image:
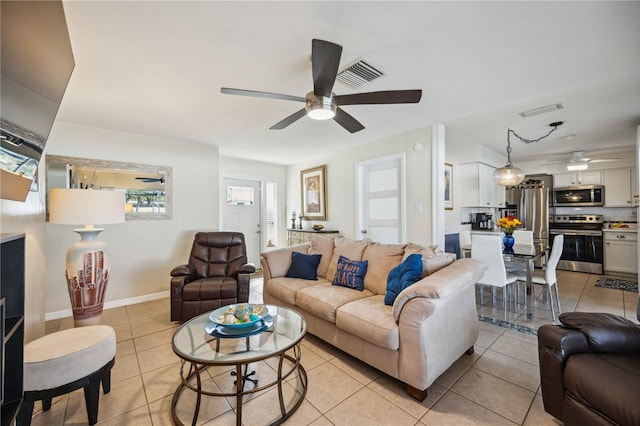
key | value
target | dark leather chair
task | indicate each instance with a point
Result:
(217, 275)
(590, 369)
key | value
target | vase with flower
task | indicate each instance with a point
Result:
(508, 224)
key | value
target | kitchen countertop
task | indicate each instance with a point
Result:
(620, 230)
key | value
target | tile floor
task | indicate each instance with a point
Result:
(498, 385)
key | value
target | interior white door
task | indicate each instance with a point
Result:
(241, 212)
(380, 195)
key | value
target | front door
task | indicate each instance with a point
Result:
(241, 213)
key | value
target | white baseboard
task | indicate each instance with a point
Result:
(113, 304)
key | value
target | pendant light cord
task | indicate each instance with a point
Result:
(509, 131)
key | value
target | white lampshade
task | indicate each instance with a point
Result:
(85, 207)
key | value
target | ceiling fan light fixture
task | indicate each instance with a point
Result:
(577, 166)
(320, 107)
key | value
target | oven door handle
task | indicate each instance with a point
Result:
(575, 232)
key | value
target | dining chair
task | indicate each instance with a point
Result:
(521, 237)
(464, 240)
(548, 277)
(488, 248)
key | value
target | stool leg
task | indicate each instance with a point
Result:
(24, 415)
(106, 381)
(46, 404)
(92, 397)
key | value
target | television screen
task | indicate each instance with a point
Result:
(36, 66)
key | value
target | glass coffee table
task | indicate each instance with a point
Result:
(200, 344)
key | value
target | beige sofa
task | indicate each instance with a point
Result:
(430, 325)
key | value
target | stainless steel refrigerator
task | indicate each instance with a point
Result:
(533, 209)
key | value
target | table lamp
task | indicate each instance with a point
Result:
(88, 260)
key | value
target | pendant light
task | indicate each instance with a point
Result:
(509, 175)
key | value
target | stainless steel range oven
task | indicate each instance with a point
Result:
(583, 247)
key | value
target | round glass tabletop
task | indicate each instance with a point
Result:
(194, 342)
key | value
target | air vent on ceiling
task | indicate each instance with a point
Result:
(359, 73)
(541, 110)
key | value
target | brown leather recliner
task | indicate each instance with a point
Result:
(217, 275)
(590, 369)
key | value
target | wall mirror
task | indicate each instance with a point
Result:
(147, 187)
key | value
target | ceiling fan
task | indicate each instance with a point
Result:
(578, 161)
(322, 103)
(150, 179)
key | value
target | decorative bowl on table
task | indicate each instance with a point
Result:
(317, 227)
(240, 315)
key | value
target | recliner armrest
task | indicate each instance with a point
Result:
(247, 268)
(183, 270)
(605, 332)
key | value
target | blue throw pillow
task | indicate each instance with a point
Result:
(304, 266)
(402, 276)
(350, 273)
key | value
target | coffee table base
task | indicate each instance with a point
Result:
(194, 372)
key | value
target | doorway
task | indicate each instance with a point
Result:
(380, 190)
(241, 212)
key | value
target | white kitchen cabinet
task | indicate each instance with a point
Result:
(620, 252)
(477, 188)
(580, 177)
(617, 187)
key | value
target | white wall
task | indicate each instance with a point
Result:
(143, 252)
(28, 218)
(341, 169)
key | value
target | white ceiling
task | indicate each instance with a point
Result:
(156, 68)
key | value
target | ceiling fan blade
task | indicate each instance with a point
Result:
(382, 97)
(257, 94)
(605, 160)
(325, 59)
(289, 120)
(347, 121)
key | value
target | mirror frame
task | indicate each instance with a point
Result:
(106, 164)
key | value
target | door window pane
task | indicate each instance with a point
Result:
(383, 208)
(383, 180)
(240, 195)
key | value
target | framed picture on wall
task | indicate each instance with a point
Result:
(448, 186)
(313, 183)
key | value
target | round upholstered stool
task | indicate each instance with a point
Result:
(64, 361)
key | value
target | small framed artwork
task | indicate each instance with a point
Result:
(313, 183)
(448, 186)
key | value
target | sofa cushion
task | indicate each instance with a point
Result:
(350, 249)
(432, 258)
(304, 266)
(324, 246)
(279, 262)
(370, 320)
(350, 273)
(286, 289)
(402, 276)
(382, 259)
(323, 300)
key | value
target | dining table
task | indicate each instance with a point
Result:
(527, 255)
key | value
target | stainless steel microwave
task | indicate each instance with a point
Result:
(579, 196)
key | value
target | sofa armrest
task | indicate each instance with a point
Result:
(275, 263)
(448, 280)
(605, 332)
